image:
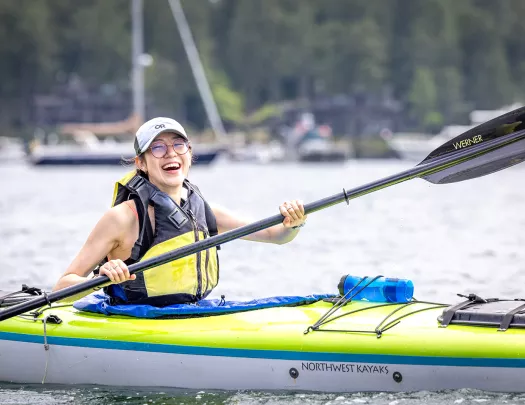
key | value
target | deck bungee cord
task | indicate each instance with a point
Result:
(381, 327)
(17, 297)
(347, 298)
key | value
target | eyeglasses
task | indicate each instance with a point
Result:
(160, 149)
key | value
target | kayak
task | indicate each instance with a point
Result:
(323, 346)
(328, 345)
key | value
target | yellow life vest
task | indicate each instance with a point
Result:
(188, 279)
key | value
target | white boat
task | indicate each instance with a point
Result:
(11, 150)
(321, 150)
(417, 146)
(84, 148)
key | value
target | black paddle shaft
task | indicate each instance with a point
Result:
(475, 152)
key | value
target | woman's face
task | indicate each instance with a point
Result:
(166, 170)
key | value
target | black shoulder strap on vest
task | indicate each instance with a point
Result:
(140, 193)
(211, 222)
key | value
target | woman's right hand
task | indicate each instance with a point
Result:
(117, 271)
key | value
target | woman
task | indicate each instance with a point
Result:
(156, 209)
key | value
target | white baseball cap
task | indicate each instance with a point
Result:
(153, 128)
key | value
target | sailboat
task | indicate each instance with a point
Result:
(111, 143)
(99, 144)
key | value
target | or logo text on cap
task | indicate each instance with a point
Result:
(160, 126)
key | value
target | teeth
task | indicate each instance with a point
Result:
(172, 166)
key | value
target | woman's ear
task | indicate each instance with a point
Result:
(140, 162)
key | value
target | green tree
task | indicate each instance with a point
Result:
(442, 58)
(423, 100)
(27, 50)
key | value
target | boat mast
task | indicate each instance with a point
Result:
(198, 72)
(139, 109)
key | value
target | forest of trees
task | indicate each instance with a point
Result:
(439, 58)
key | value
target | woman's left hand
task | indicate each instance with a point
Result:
(293, 213)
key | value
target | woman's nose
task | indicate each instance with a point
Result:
(171, 151)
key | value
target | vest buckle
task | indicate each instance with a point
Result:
(135, 182)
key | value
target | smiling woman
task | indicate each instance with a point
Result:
(156, 209)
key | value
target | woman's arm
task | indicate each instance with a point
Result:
(106, 237)
(293, 212)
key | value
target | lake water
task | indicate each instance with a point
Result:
(448, 239)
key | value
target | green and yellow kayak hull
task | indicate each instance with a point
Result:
(266, 349)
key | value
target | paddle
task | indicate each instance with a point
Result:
(489, 147)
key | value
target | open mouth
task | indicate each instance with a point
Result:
(171, 167)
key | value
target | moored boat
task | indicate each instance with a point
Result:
(106, 155)
(416, 146)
